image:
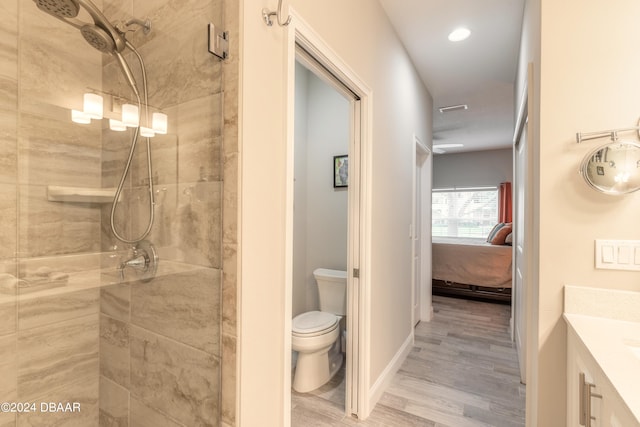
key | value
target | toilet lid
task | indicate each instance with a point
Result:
(313, 321)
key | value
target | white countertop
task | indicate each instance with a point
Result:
(609, 333)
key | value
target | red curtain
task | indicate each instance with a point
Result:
(504, 203)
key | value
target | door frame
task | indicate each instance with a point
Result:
(299, 33)
(421, 205)
(523, 233)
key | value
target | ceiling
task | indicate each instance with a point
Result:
(479, 71)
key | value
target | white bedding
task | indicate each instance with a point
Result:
(472, 262)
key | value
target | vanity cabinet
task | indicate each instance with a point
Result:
(605, 405)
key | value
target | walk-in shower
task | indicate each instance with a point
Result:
(78, 324)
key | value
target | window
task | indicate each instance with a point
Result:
(464, 212)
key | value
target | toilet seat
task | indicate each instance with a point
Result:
(314, 323)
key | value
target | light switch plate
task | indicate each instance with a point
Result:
(617, 254)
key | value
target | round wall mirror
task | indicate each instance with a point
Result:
(613, 168)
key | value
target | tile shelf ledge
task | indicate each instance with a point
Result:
(56, 193)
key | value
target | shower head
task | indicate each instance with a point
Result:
(98, 38)
(67, 11)
(59, 8)
(102, 35)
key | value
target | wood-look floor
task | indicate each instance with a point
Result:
(463, 371)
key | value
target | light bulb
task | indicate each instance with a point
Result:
(130, 116)
(116, 125)
(93, 106)
(80, 117)
(147, 132)
(159, 123)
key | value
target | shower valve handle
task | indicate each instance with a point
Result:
(144, 261)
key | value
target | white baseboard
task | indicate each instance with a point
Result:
(385, 378)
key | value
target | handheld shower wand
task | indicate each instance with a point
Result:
(106, 38)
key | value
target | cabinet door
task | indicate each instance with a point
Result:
(579, 361)
(614, 412)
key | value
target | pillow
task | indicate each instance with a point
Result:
(509, 239)
(500, 237)
(494, 230)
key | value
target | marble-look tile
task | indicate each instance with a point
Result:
(115, 301)
(7, 419)
(230, 199)
(8, 302)
(188, 219)
(177, 70)
(54, 151)
(51, 228)
(199, 126)
(199, 223)
(144, 416)
(56, 63)
(8, 213)
(114, 404)
(166, 152)
(54, 356)
(178, 379)
(83, 392)
(114, 350)
(48, 307)
(184, 307)
(8, 140)
(230, 289)
(8, 368)
(9, 39)
(8, 69)
(229, 380)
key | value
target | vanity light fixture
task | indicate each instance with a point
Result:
(147, 132)
(117, 125)
(92, 106)
(80, 117)
(159, 123)
(130, 116)
(459, 34)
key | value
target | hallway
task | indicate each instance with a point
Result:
(463, 371)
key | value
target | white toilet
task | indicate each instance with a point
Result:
(316, 334)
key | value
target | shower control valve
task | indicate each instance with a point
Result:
(144, 261)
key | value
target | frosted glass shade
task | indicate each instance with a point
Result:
(130, 116)
(117, 125)
(147, 132)
(159, 123)
(80, 117)
(92, 106)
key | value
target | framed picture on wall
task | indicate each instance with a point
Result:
(340, 171)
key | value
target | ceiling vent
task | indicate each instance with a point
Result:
(451, 108)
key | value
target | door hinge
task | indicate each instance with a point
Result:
(356, 273)
(218, 42)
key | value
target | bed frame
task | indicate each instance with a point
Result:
(472, 268)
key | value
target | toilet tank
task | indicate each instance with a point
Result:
(332, 289)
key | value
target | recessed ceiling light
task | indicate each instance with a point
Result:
(459, 34)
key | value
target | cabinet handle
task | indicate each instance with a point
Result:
(585, 401)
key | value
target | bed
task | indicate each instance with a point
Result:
(471, 267)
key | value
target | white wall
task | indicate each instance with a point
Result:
(586, 79)
(479, 168)
(360, 34)
(320, 211)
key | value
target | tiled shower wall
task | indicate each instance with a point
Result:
(134, 353)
